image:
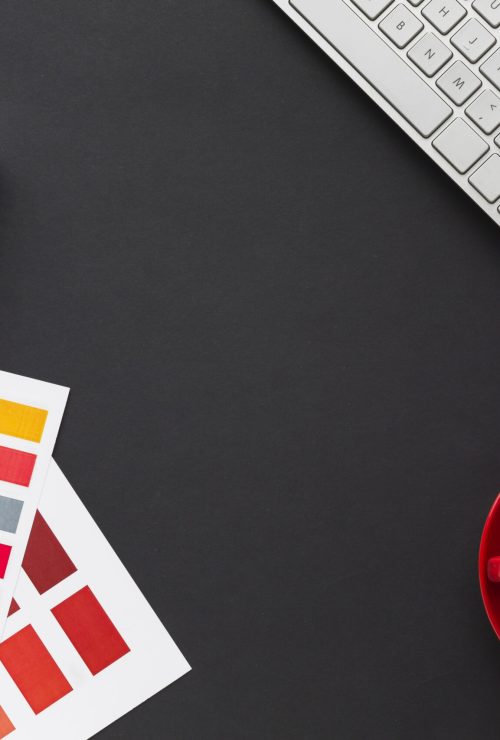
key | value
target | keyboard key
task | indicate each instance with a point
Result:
(486, 179)
(485, 111)
(401, 26)
(473, 40)
(444, 14)
(489, 10)
(380, 65)
(429, 54)
(372, 8)
(458, 83)
(491, 68)
(460, 145)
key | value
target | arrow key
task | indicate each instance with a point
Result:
(485, 111)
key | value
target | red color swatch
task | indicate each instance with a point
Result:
(6, 726)
(5, 551)
(16, 466)
(33, 669)
(93, 634)
(14, 607)
(45, 561)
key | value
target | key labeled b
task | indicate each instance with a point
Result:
(401, 26)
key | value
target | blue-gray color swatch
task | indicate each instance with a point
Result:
(10, 511)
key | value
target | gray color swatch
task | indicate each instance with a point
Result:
(10, 511)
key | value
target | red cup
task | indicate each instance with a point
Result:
(489, 566)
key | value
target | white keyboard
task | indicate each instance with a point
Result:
(433, 66)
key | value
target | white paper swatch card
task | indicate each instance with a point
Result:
(82, 646)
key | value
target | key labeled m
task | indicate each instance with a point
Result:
(459, 83)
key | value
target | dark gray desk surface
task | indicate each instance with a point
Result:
(216, 240)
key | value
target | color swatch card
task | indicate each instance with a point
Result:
(30, 416)
(82, 646)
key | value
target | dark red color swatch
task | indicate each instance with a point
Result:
(5, 551)
(46, 562)
(33, 669)
(14, 607)
(16, 466)
(93, 634)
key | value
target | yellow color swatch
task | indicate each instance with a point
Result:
(25, 422)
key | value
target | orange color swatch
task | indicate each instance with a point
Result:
(93, 634)
(6, 726)
(24, 422)
(33, 669)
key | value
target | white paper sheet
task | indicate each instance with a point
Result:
(95, 701)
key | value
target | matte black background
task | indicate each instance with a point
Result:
(281, 327)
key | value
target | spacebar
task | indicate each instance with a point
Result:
(395, 80)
